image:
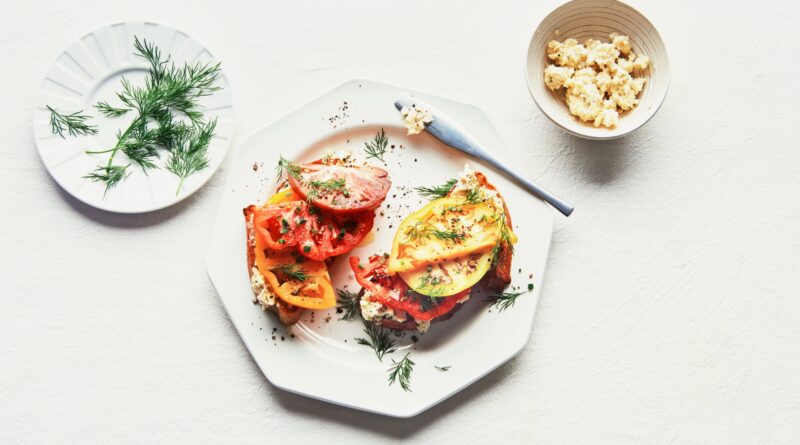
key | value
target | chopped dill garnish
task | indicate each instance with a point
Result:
(349, 302)
(293, 271)
(439, 191)
(443, 368)
(401, 372)
(377, 147)
(379, 340)
(74, 123)
(503, 300)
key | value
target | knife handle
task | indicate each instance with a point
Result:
(562, 206)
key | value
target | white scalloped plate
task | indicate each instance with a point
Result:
(90, 70)
(318, 356)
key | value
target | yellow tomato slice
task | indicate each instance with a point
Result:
(445, 229)
(284, 195)
(449, 277)
(313, 292)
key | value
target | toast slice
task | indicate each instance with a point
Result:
(288, 314)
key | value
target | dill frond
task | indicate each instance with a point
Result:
(401, 372)
(439, 191)
(293, 271)
(503, 300)
(109, 111)
(379, 340)
(376, 148)
(73, 123)
(349, 303)
(291, 168)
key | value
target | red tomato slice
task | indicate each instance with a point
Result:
(332, 235)
(281, 226)
(312, 233)
(341, 189)
(392, 291)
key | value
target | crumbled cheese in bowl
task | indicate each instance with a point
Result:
(416, 118)
(600, 80)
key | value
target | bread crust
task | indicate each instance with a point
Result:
(288, 314)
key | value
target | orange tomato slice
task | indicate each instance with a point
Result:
(281, 271)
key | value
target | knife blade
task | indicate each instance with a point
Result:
(450, 132)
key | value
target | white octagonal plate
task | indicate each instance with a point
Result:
(89, 71)
(318, 357)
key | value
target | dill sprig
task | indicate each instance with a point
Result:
(293, 271)
(169, 92)
(291, 168)
(379, 340)
(330, 184)
(504, 240)
(473, 196)
(503, 300)
(333, 185)
(74, 123)
(111, 175)
(439, 191)
(349, 302)
(401, 372)
(376, 148)
(443, 368)
(109, 111)
(423, 230)
(190, 151)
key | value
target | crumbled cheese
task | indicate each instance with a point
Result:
(555, 76)
(603, 81)
(624, 90)
(641, 63)
(570, 53)
(583, 97)
(608, 116)
(625, 65)
(600, 54)
(467, 180)
(598, 77)
(376, 311)
(264, 295)
(416, 118)
(622, 43)
(422, 326)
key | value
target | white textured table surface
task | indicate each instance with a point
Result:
(669, 313)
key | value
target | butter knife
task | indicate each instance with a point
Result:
(453, 134)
